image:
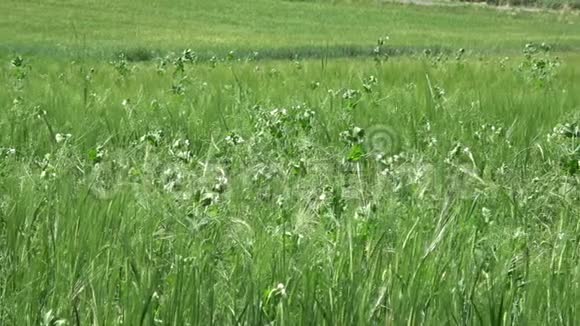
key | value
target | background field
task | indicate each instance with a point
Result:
(274, 28)
(373, 188)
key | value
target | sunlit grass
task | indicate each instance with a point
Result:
(288, 168)
(66, 28)
(433, 190)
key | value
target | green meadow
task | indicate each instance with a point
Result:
(288, 163)
(61, 28)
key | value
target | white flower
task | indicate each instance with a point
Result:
(432, 142)
(7, 151)
(486, 212)
(62, 137)
(280, 201)
(281, 289)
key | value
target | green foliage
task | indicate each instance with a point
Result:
(539, 66)
(429, 191)
(322, 29)
(137, 54)
(418, 183)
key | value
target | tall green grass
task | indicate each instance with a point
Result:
(435, 192)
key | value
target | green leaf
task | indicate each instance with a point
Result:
(94, 156)
(356, 153)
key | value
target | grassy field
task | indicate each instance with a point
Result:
(428, 187)
(275, 28)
